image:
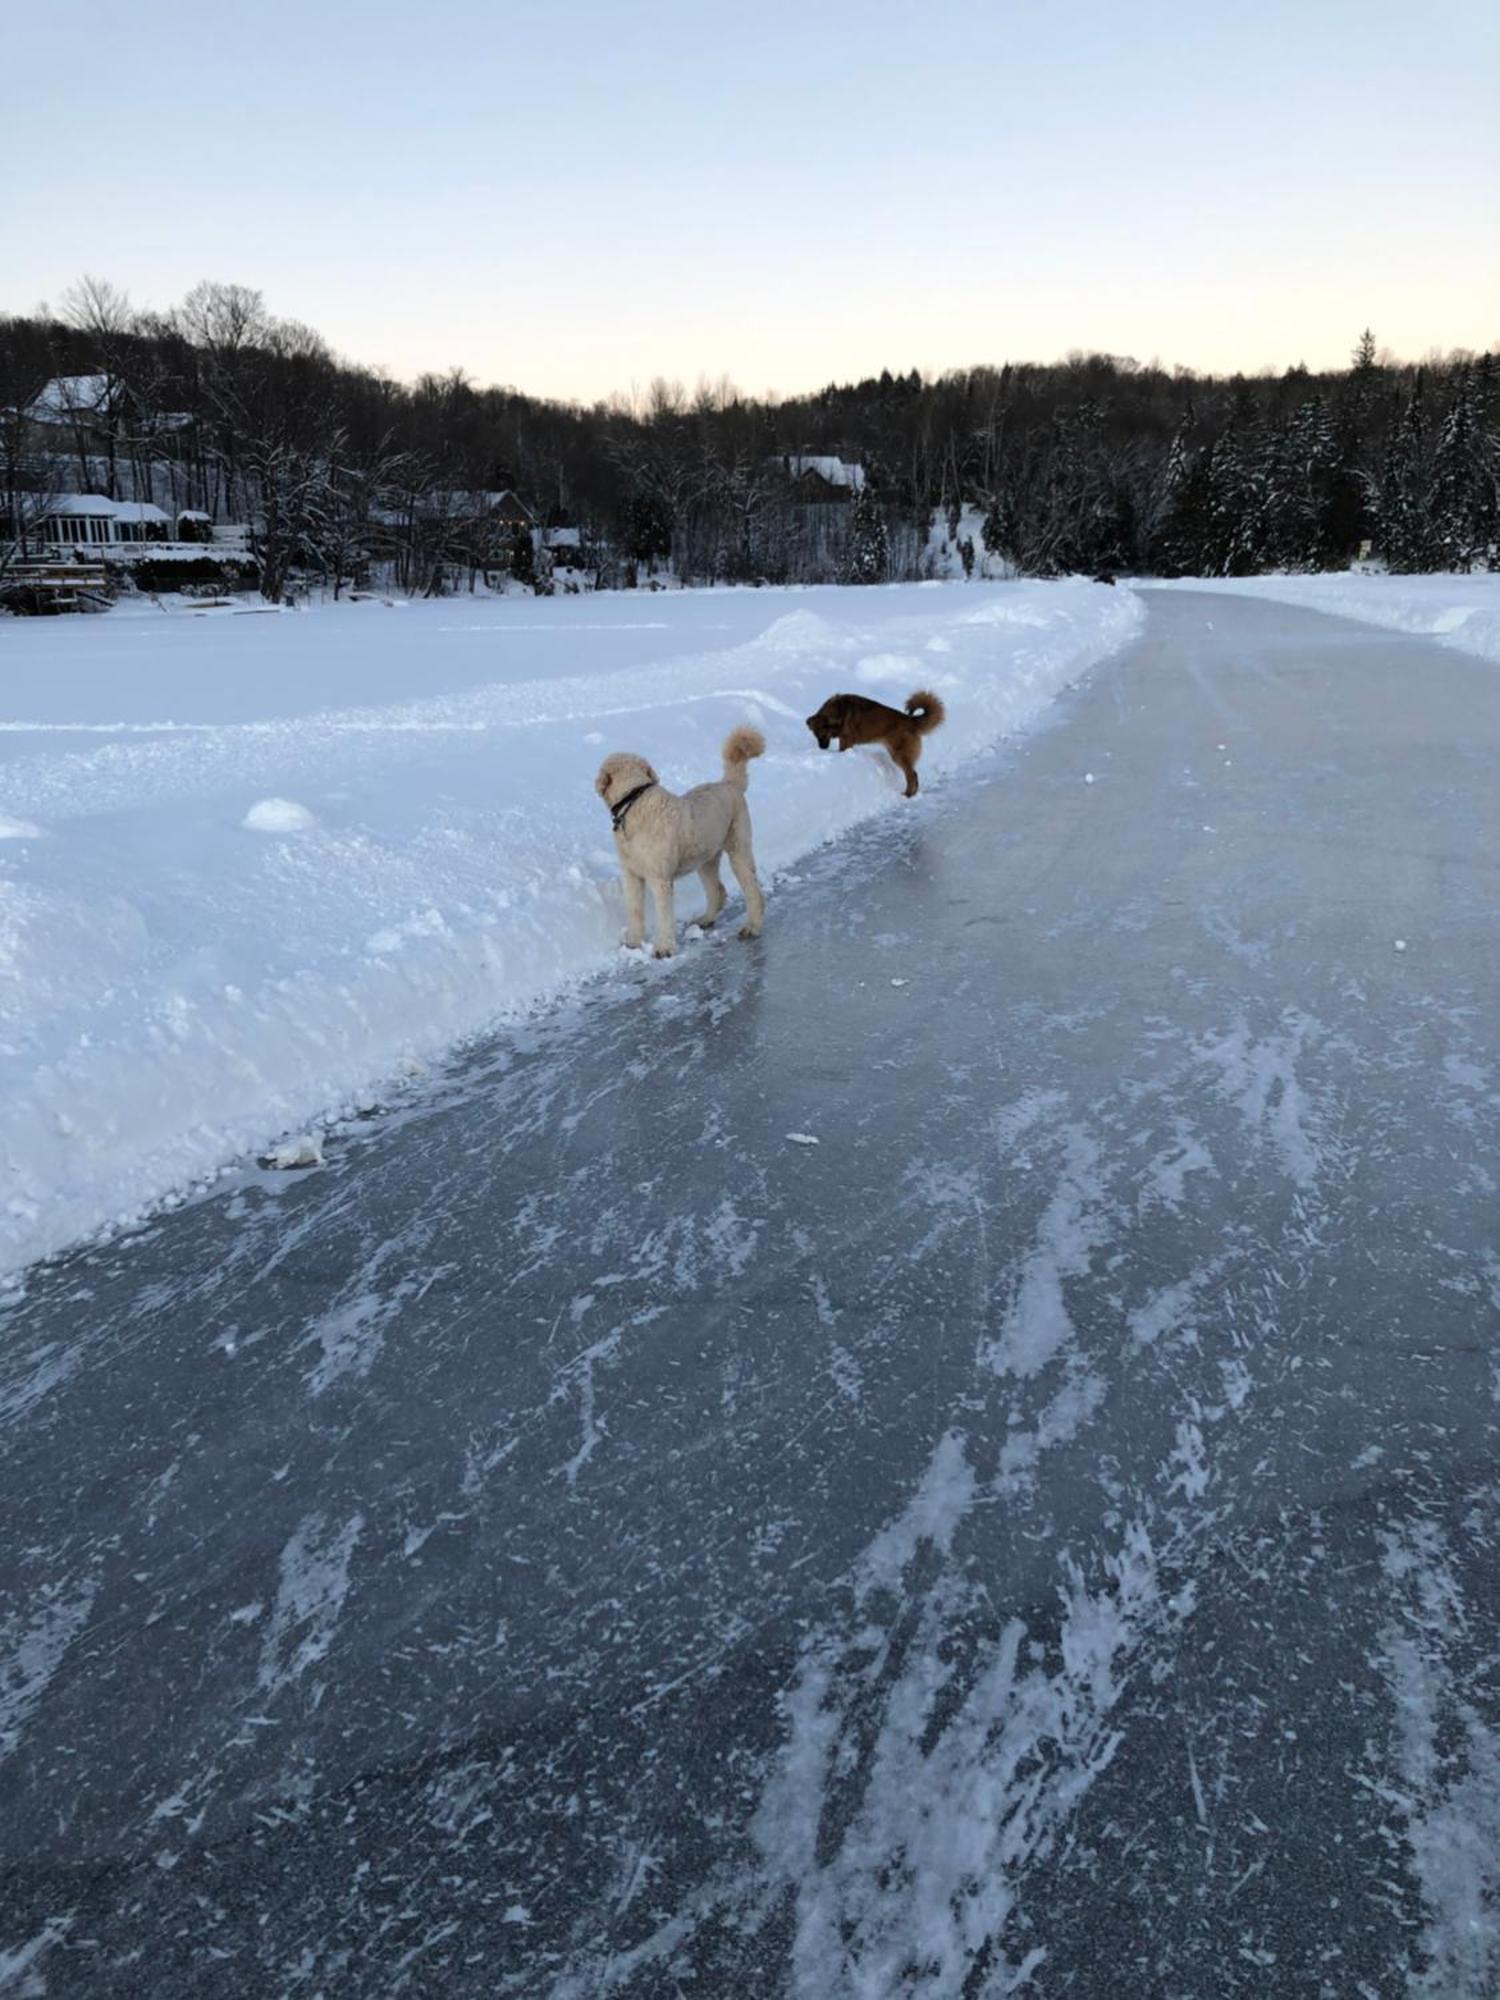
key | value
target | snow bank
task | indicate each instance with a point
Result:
(232, 904)
(1458, 611)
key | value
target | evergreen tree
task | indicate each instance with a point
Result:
(1168, 534)
(523, 558)
(1404, 524)
(1463, 498)
(648, 528)
(1344, 519)
(1236, 529)
(1182, 545)
(998, 530)
(869, 554)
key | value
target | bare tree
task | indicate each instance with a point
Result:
(29, 474)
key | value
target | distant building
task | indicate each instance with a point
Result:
(820, 480)
(125, 532)
(79, 520)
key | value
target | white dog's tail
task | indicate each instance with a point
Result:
(740, 745)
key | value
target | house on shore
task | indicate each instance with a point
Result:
(132, 536)
(820, 480)
(90, 521)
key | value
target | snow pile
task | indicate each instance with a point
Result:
(233, 902)
(1459, 611)
(278, 816)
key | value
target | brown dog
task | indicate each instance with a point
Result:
(855, 719)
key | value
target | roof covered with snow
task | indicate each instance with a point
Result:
(837, 471)
(73, 395)
(83, 503)
(96, 507)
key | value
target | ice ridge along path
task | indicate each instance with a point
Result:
(254, 868)
(1039, 1539)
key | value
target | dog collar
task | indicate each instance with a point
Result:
(619, 809)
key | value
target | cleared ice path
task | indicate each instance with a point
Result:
(586, 1541)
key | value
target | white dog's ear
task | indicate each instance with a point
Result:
(601, 783)
(651, 777)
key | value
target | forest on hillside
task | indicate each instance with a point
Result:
(1092, 464)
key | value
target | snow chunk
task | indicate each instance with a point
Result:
(18, 829)
(802, 1139)
(306, 1151)
(278, 816)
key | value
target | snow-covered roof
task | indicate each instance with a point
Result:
(192, 514)
(97, 507)
(835, 470)
(563, 538)
(84, 503)
(72, 395)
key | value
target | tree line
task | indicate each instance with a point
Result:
(1095, 464)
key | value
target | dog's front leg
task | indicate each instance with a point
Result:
(666, 924)
(635, 908)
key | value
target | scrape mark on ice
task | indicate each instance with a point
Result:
(1260, 1079)
(31, 1651)
(310, 1595)
(933, 1514)
(352, 1333)
(14, 1964)
(1192, 1475)
(1446, 1786)
(1166, 1177)
(731, 1239)
(1171, 1310)
(977, 1764)
(1074, 1405)
(581, 1372)
(1034, 1107)
(1037, 1326)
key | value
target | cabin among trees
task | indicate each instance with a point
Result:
(217, 413)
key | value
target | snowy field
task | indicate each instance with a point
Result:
(1460, 611)
(253, 868)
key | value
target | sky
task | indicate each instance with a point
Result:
(578, 199)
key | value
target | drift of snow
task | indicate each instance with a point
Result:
(175, 994)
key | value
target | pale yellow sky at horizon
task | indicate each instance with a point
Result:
(789, 199)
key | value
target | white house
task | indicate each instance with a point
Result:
(77, 520)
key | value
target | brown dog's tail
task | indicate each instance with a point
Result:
(925, 710)
(740, 745)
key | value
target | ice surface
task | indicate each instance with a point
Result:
(1460, 611)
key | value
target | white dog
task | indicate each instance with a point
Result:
(660, 836)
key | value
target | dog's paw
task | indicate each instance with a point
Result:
(665, 951)
(748, 931)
